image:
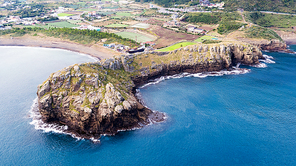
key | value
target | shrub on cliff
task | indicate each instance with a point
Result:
(228, 26)
(261, 32)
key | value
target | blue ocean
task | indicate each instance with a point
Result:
(244, 119)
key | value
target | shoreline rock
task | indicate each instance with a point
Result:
(98, 98)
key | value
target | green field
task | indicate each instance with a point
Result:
(176, 46)
(116, 25)
(141, 25)
(74, 21)
(62, 24)
(135, 36)
(35, 26)
(87, 9)
(272, 20)
(81, 3)
(116, 17)
(204, 38)
(105, 13)
(123, 14)
(64, 14)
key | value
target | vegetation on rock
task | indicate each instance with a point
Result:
(98, 98)
(272, 20)
(263, 33)
(81, 36)
(227, 26)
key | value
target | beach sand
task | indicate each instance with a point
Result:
(94, 50)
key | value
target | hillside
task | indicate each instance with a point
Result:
(261, 5)
(287, 6)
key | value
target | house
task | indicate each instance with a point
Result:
(93, 13)
(149, 43)
(13, 19)
(195, 30)
(171, 24)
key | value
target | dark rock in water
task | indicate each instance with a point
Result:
(98, 98)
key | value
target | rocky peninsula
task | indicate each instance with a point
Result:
(98, 98)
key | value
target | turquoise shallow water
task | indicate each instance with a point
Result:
(247, 119)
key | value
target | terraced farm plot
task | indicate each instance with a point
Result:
(62, 24)
(123, 14)
(35, 26)
(116, 25)
(87, 9)
(64, 14)
(74, 21)
(168, 37)
(135, 36)
(81, 3)
(176, 46)
(105, 13)
(117, 17)
(141, 25)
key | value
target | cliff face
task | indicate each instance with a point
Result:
(191, 59)
(271, 45)
(97, 98)
(90, 101)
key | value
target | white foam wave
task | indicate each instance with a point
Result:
(48, 128)
(267, 56)
(260, 65)
(268, 59)
(233, 71)
(61, 129)
(162, 78)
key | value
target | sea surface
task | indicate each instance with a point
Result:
(236, 119)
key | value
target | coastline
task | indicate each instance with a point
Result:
(94, 50)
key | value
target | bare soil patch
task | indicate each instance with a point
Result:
(95, 50)
(168, 37)
(154, 22)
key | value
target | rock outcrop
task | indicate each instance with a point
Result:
(272, 45)
(192, 59)
(90, 101)
(98, 98)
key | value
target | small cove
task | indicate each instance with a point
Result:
(246, 119)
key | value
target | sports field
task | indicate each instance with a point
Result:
(135, 36)
(176, 46)
(64, 14)
(62, 24)
(141, 25)
(116, 25)
(204, 38)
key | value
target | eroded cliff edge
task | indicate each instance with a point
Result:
(99, 98)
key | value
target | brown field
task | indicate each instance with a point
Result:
(106, 22)
(153, 21)
(168, 37)
(130, 22)
(207, 28)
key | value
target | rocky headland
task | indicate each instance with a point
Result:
(98, 98)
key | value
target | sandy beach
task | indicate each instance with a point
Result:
(94, 50)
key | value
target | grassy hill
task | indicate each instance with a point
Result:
(248, 5)
(287, 6)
